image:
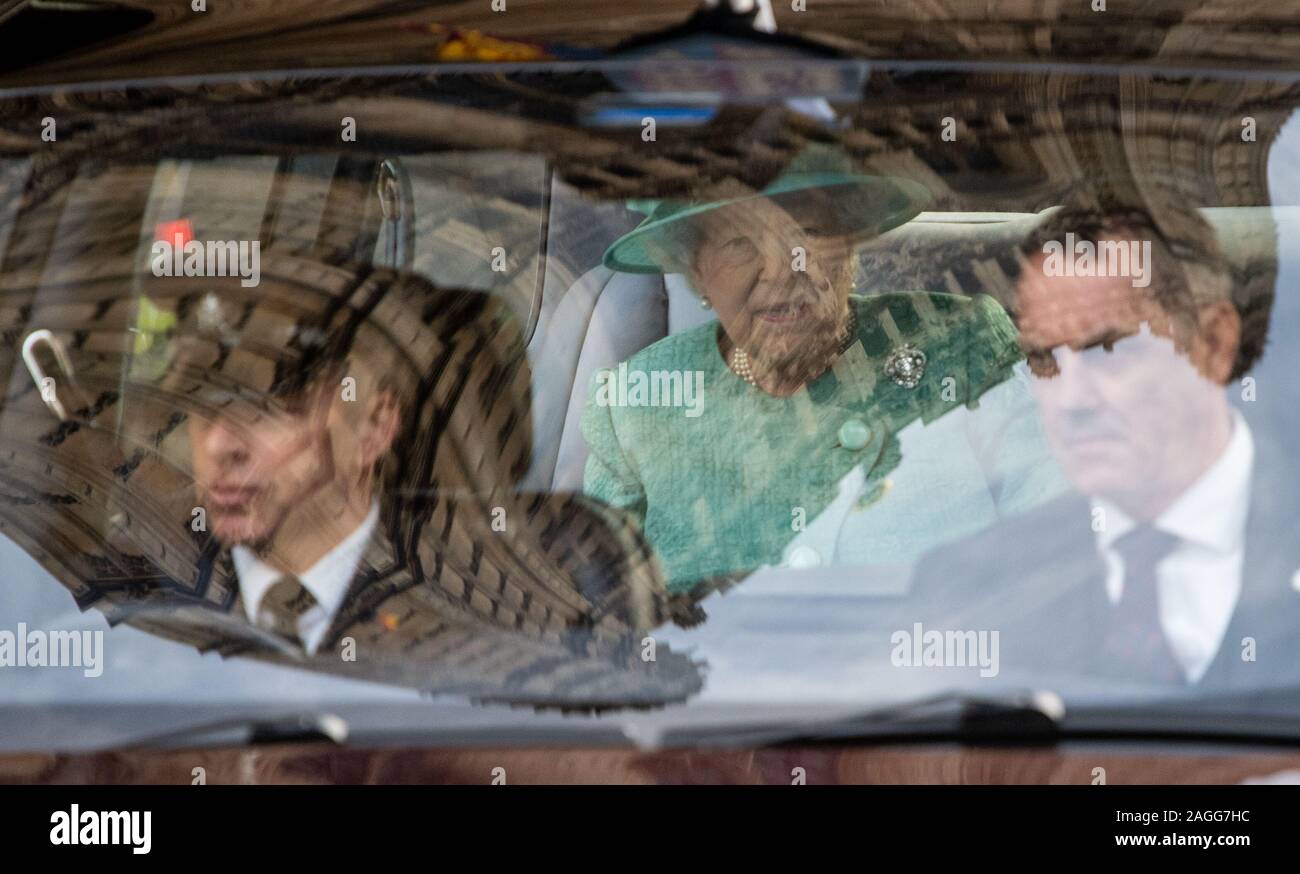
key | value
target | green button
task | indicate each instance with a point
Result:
(855, 435)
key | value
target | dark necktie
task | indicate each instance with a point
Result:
(1133, 645)
(282, 605)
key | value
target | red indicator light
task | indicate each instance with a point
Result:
(178, 233)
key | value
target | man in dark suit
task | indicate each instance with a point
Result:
(1175, 560)
(342, 498)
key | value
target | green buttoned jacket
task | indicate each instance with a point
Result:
(721, 483)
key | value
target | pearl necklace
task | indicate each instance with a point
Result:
(739, 361)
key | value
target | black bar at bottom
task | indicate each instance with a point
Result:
(324, 824)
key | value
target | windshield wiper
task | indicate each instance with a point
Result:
(294, 728)
(1016, 718)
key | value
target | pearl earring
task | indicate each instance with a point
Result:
(704, 304)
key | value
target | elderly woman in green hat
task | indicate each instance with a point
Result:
(831, 428)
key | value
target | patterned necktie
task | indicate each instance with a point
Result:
(282, 605)
(1134, 644)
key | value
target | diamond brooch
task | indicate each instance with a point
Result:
(905, 365)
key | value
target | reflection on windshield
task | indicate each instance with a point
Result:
(803, 398)
(345, 486)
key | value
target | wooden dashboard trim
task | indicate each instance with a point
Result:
(316, 764)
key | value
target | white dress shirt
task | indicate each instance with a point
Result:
(328, 580)
(1199, 583)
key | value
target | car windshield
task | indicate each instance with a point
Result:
(758, 385)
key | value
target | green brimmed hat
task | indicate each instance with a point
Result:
(868, 205)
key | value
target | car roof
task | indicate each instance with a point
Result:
(174, 40)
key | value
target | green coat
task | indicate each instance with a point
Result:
(729, 487)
